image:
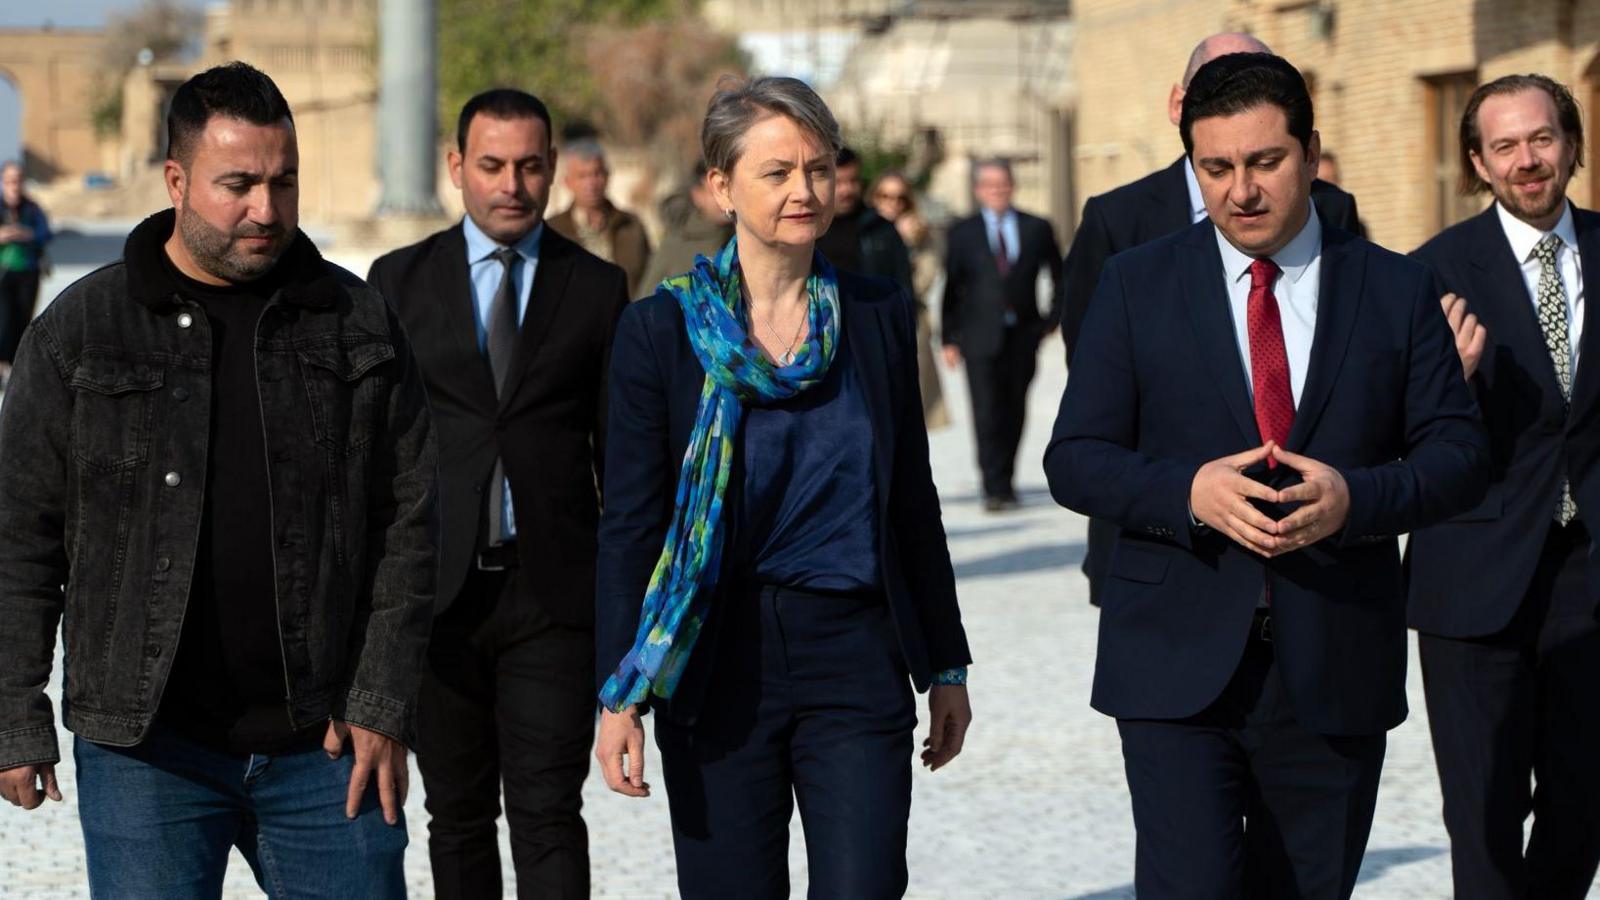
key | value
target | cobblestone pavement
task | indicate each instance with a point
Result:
(1035, 807)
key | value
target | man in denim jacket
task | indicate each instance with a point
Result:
(216, 460)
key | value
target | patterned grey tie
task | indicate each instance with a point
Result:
(502, 345)
(1553, 322)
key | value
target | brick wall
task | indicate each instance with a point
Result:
(1369, 66)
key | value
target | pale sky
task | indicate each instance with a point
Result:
(57, 13)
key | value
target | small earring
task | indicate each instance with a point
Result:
(728, 213)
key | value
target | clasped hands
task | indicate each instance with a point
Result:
(1221, 493)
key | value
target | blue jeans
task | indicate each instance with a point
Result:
(159, 819)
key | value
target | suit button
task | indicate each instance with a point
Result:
(152, 650)
(163, 564)
(180, 394)
(173, 479)
(185, 320)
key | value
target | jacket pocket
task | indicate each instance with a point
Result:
(113, 411)
(1131, 562)
(344, 393)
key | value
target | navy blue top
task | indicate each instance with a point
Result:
(808, 516)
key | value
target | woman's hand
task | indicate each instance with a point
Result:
(950, 715)
(622, 736)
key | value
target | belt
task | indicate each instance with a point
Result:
(1261, 627)
(498, 557)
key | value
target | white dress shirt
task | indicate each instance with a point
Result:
(1197, 202)
(1296, 292)
(1524, 238)
(996, 225)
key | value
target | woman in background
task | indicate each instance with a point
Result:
(24, 231)
(895, 200)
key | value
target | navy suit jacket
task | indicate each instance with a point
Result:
(655, 390)
(1141, 211)
(1469, 575)
(1158, 389)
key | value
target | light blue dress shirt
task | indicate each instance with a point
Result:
(1006, 222)
(1197, 201)
(486, 273)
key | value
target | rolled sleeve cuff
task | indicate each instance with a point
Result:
(375, 712)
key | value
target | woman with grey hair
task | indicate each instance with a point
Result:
(773, 571)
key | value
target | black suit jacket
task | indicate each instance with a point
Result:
(655, 390)
(1158, 389)
(977, 296)
(550, 426)
(1154, 206)
(1469, 575)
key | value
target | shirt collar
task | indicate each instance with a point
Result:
(1294, 259)
(1525, 237)
(992, 218)
(1197, 203)
(480, 246)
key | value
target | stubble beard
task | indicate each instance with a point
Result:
(213, 250)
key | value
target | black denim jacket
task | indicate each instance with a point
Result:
(103, 451)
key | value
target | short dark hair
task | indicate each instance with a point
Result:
(501, 103)
(1471, 139)
(845, 157)
(1237, 82)
(236, 90)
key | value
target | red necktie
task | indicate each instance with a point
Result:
(1269, 363)
(1002, 259)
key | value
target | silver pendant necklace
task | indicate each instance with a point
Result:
(787, 358)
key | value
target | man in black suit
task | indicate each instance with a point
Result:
(513, 326)
(991, 318)
(1156, 205)
(1505, 596)
(1252, 641)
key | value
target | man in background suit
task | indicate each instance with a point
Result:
(1155, 206)
(513, 326)
(991, 318)
(1505, 596)
(1252, 639)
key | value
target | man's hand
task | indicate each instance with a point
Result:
(1471, 337)
(1220, 497)
(622, 736)
(375, 754)
(952, 356)
(950, 715)
(28, 786)
(1325, 496)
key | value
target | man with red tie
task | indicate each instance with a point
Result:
(1252, 636)
(991, 319)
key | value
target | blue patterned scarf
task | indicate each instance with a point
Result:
(737, 373)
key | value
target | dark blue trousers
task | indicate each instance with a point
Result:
(1243, 801)
(1515, 718)
(808, 699)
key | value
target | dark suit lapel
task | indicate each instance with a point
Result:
(1508, 309)
(454, 290)
(1586, 381)
(1170, 200)
(867, 336)
(1207, 299)
(550, 288)
(1339, 285)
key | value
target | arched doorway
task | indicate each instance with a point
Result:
(10, 119)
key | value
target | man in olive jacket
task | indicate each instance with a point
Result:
(217, 463)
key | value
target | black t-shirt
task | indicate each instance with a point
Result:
(228, 688)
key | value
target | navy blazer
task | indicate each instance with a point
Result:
(976, 295)
(1158, 388)
(1469, 575)
(1141, 211)
(655, 390)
